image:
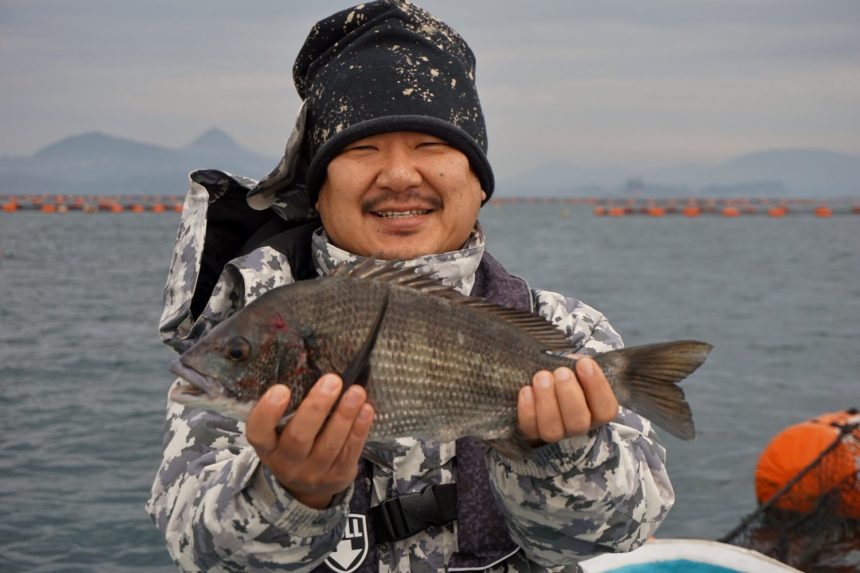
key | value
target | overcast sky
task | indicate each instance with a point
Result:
(606, 82)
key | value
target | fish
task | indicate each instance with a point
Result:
(436, 364)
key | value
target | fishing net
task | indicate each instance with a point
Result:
(809, 519)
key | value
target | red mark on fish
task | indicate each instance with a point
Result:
(279, 323)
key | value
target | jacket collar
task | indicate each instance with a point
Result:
(455, 269)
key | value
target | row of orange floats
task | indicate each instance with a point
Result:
(727, 209)
(694, 206)
(602, 207)
(91, 204)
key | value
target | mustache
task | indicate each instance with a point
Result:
(409, 198)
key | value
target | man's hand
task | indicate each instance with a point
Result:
(563, 404)
(315, 456)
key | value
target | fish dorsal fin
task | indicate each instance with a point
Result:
(539, 328)
(395, 274)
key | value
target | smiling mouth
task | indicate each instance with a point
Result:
(401, 214)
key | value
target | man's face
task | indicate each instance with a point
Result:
(399, 195)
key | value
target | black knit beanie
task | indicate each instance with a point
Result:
(379, 67)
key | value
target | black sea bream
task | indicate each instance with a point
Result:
(436, 364)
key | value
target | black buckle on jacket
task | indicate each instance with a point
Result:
(403, 516)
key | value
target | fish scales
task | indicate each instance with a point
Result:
(438, 368)
(436, 364)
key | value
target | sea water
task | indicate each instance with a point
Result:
(83, 376)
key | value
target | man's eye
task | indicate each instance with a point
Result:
(431, 144)
(359, 148)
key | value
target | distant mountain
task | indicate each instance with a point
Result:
(215, 145)
(96, 163)
(790, 172)
(214, 140)
(800, 172)
(98, 147)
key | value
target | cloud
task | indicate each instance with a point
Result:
(616, 81)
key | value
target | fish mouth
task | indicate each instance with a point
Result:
(197, 390)
(193, 387)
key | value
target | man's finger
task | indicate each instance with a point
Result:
(262, 422)
(549, 421)
(598, 393)
(571, 400)
(298, 436)
(334, 434)
(526, 414)
(354, 444)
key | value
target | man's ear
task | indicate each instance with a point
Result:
(483, 195)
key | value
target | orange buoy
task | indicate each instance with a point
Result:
(178, 207)
(616, 211)
(137, 208)
(656, 211)
(115, 208)
(856, 209)
(691, 211)
(158, 208)
(823, 211)
(10, 206)
(599, 211)
(731, 212)
(797, 447)
(48, 208)
(777, 211)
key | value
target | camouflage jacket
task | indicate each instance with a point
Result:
(219, 509)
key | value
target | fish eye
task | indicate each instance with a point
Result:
(237, 349)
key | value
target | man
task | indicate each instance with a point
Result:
(390, 150)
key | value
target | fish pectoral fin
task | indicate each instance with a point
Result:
(309, 338)
(358, 369)
(314, 358)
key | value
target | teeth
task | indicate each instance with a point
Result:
(399, 214)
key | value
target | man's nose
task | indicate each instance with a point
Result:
(399, 171)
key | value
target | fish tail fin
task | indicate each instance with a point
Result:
(647, 380)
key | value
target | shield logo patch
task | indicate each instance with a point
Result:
(352, 549)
